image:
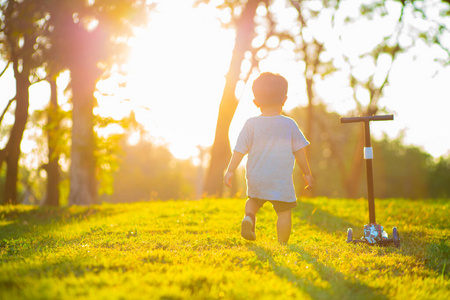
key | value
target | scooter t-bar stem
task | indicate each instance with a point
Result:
(368, 156)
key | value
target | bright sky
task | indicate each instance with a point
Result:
(176, 80)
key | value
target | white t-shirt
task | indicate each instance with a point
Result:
(270, 143)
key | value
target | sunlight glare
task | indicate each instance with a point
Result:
(176, 71)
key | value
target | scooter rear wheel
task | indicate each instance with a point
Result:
(395, 237)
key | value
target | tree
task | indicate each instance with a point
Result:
(310, 48)
(54, 139)
(20, 28)
(77, 35)
(87, 35)
(221, 151)
(436, 32)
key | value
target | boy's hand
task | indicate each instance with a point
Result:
(309, 180)
(234, 163)
(227, 179)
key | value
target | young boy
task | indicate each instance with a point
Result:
(273, 142)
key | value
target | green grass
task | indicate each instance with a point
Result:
(193, 250)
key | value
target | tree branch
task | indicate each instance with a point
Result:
(4, 70)
(6, 109)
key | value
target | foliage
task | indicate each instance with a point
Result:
(21, 30)
(192, 249)
(102, 27)
(439, 177)
(431, 15)
(148, 171)
(135, 172)
(330, 150)
(400, 170)
(109, 148)
(58, 128)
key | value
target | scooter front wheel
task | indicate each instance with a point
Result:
(349, 235)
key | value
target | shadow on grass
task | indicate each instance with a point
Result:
(432, 248)
(321, 219)
(339, 286)
(57, 270)
(20, 223)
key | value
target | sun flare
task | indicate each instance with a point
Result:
(176, 75)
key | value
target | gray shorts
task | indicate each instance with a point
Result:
(279, 206)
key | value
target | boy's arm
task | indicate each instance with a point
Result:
(234, 163)
(302, 162)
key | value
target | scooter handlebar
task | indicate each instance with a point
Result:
(366, 119)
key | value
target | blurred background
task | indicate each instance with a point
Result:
(133, 100)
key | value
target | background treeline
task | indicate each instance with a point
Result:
(148, 171)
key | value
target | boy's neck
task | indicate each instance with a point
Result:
(271, 111)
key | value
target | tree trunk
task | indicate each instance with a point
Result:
(83, 56)
(12, 149)
(83, 184)
(221, 151)
(52, 168)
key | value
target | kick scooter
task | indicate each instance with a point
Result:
(373, 232)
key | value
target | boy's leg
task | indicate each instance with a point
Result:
(248, 223)
(284, 224)
(252, 207)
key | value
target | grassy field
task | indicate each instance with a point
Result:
(193, 250)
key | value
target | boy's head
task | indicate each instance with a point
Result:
(270, 89)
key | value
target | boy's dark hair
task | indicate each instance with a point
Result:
(270, 88)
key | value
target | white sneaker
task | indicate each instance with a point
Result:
(247, 229)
